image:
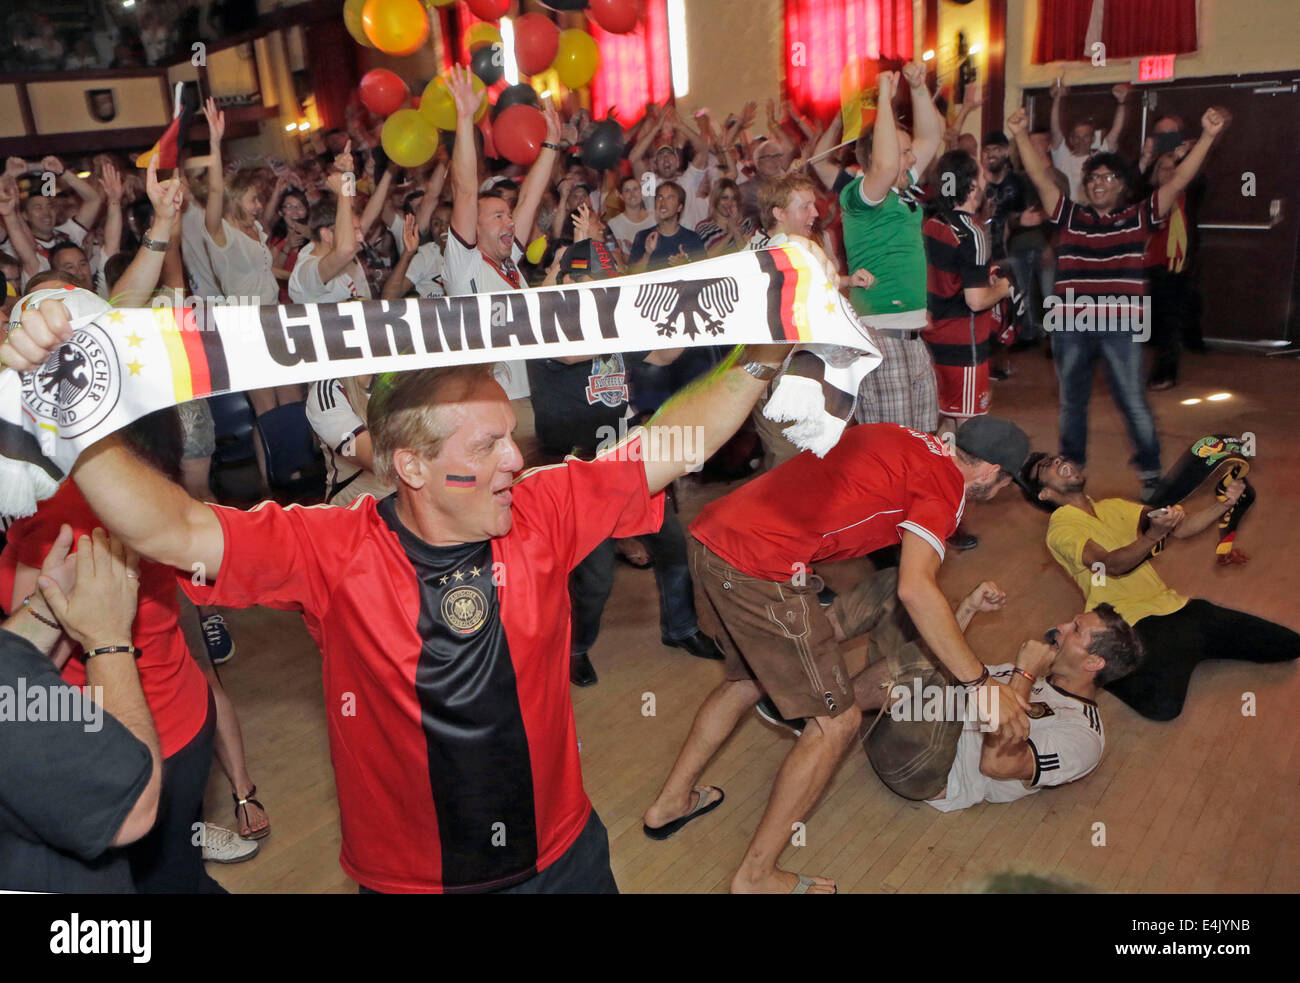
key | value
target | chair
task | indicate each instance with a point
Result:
(292, 461)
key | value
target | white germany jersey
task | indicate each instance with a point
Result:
(336, 424)
(1065, 735)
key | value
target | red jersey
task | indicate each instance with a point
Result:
(445, 669)
(878, 480)
(174, 686)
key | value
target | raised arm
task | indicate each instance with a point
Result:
(715, 405)
(398, 283)
(1214, 122)
(141, 277)
(1058, 94)
(692, 136)
(375, 205)
(650, 127)
(341, 181)
(216, 175)
(464, 158)
(90, 198)
(1036, 165)
(112, 182)
(927, 135)
(539, 175)
(822, 166)
(883, 172)
(1120, 92)
(432, 195)
(19, 234)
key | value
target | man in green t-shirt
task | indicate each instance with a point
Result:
(882, 233)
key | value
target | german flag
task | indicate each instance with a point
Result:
(197, 358)
(176, 136)
(787, 293)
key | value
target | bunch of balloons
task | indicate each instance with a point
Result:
(540, 45)
(401, 27)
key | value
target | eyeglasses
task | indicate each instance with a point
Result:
(1102, 177)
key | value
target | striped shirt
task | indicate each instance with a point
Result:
(1103, 255)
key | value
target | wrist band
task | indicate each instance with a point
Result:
(109, 649)
(983, 678)
(27, 603)
(551, 146)
(1028, 675)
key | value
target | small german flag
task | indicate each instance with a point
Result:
(176, 136)
(461, 482)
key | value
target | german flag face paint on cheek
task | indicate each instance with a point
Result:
(460, 482)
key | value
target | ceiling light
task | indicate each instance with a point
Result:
(928, 56)
(1219, 397)
(1191, 402)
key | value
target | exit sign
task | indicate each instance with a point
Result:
(1156, 68)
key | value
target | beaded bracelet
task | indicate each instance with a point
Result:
(27, 603)
(109, 649)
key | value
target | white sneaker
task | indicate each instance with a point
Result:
(223, 846)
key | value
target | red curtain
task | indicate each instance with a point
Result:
(824, 36)
(1062, 30)
(634, 68)
(1133, 28)
(332, 55)
(1129, 28)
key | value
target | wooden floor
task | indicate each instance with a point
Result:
(1209, 802)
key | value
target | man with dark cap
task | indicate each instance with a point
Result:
(752, 561)
(580, 407)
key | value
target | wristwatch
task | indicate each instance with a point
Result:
(157, 245)
(757, 369)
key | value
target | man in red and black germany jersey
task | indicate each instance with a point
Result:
(882, 484)
(441, 614)
(959, 291)
(1101, 273)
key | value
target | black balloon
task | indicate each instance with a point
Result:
(604, 146)
(565, 4)
(488, 63)
(514, 95)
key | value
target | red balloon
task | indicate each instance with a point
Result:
(489, 9)
(615, 16)
(382, 92)
(537, 39)
(518, 134)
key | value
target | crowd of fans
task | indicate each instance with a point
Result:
(135, 35)
(949, 248)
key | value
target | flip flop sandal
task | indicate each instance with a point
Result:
(241, 815)
(805, 882)
(668, 829)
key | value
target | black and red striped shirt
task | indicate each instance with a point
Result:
(1103, 255)
(445, 669)
(956, 257)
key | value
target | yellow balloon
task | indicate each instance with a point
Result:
(439, 108)
(408, 138)
(480, 34)
(577, 59)
(536, 250)
(352, 21)
(396, 27)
